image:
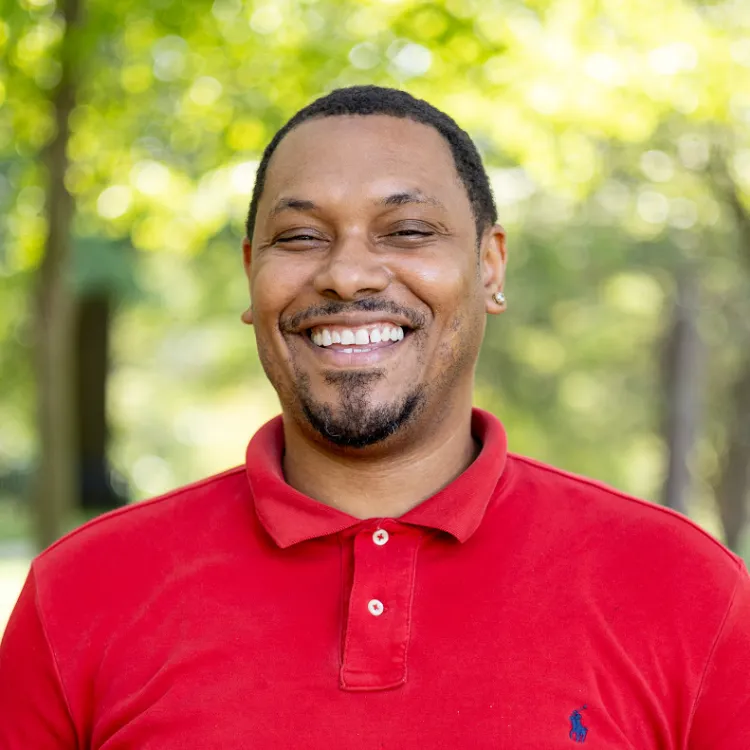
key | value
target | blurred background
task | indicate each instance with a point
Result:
(617, 136)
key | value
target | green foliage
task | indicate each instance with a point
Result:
(602, 121)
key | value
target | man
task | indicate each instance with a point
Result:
(382, 573)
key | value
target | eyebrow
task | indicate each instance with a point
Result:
(293, 204)
(395, 199)
(410, 196)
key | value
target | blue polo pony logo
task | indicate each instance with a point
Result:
(577, 731)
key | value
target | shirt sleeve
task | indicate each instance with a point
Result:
(33, 708)
(722, 714)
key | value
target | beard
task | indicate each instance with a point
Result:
(355, 422)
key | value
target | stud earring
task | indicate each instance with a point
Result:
(499, 297)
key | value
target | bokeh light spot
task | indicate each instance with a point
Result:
(114, 202)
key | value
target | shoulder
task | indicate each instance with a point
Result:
(131, 565)
(645, 570)
(145, 535)
(619, 527)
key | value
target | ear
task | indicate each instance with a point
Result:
(493, 258)
(247, 315)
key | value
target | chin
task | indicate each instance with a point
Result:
(358, 423)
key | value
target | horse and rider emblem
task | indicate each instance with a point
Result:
(577, 731)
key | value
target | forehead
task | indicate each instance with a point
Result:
(358, 155)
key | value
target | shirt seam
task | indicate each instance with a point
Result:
(172, 494)
(410, 613)
(348, 614)
(712, 651)
(596, 484)
(343, 608)
(55, 663)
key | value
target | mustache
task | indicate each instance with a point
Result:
(333, 307)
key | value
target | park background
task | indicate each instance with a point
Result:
(617, 137)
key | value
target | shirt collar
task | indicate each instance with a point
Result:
(291, 517)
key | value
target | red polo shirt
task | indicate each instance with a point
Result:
(520, 607)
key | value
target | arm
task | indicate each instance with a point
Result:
(721, 719)
(33, 709)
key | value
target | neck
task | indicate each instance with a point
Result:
(392, 482)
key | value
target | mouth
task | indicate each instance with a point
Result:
(365, 344)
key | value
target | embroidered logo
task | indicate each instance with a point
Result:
(577, 731)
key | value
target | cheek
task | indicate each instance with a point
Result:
(456, 270)
(452, 290)
(268, 352)
(464, 329)
(452, 293)
(275, 284)
(442, 274)
(444, 286)
(463, 337)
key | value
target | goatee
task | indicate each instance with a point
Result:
(355, 422)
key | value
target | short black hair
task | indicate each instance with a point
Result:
(377, 100)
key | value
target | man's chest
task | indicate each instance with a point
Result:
(443, 662)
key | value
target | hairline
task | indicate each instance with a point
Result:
(479, 229)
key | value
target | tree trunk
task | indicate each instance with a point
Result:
(53, 325)
(734, 481)
(682, 392)
(92, 367)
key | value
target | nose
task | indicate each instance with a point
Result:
(352, 269)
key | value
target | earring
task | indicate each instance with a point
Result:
(499, 297)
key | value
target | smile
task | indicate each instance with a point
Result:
(356, 339)
(356, 345)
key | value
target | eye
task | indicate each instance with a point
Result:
(410, 233)
(297, 238)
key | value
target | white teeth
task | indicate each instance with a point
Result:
(360, 336)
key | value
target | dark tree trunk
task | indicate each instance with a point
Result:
(682, 387)
(734, 481)
(92, 369)
(53, 324)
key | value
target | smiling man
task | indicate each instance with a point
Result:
(372, 262)
(381, 573)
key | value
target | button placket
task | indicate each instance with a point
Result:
(379, 616)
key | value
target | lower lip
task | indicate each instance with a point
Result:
(360, 357)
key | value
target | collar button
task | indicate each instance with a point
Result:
(380, 537)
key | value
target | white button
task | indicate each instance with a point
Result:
(376, 607)
(380, 537)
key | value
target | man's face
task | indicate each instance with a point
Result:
(368, 292)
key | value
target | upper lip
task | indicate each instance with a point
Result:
(354, 321)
